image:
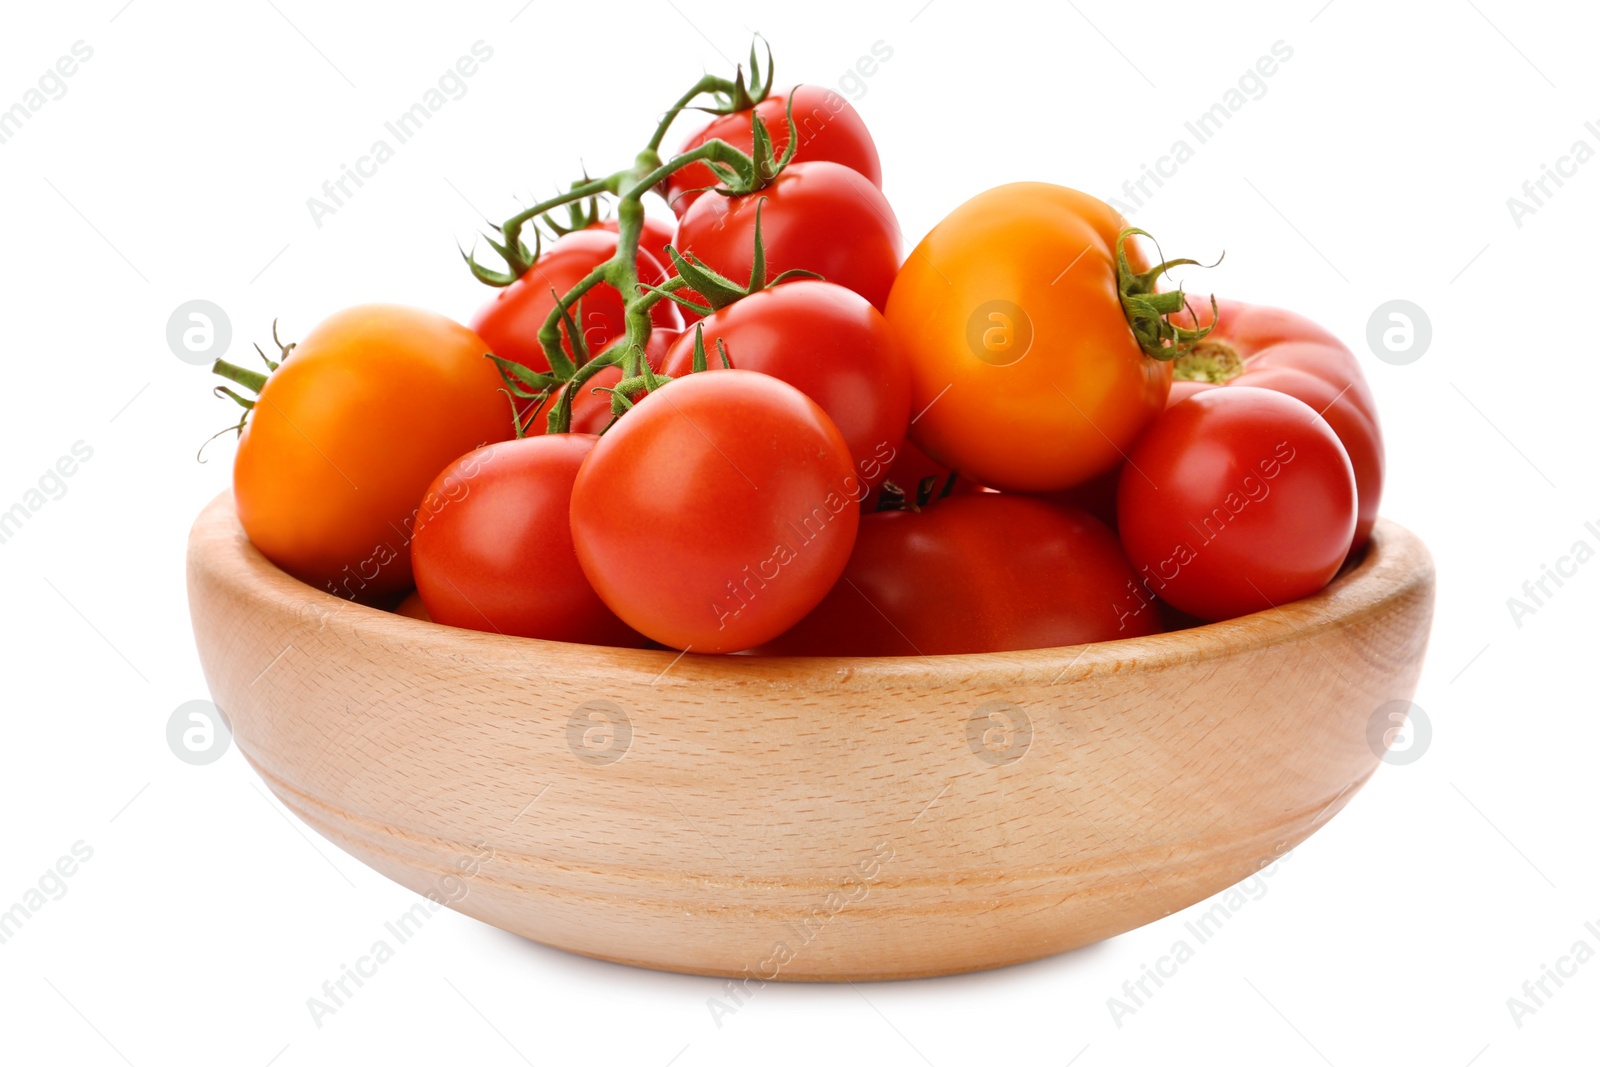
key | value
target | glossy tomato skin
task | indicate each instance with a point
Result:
(979, 572)
(510, 321)
(717, 512)
(1023, 365)
(494, 548)
(1236, 500)
(821, 217)
(346, 436)
(829, 343)
(830, 130)
(1291, 354)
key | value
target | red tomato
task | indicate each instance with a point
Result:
(831, 345)
(829, 128)
(494, 552)
(718, 512)
(1236, 500)
(1097, 496)
(653, 238)
(821, 217)
(510, 322)
(982, 572)
(1290, 354)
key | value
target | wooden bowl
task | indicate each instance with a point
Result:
(808, 819)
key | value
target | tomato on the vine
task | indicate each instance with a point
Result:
(1236, 500)
(493, 548)
(978, 572)
(716, 512)
(510, 322)
(1270, 348)
(829, 343)
(1024, 368)
(591, 405)
(821, 217)
(830, 129)
(346, 435)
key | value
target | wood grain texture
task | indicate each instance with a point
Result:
(808, 819)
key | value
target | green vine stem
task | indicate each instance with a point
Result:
(1148, 311)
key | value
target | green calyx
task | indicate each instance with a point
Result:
(717, 290)
(252, 381)
(1148, 311)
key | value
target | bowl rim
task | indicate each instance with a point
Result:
(1393, 565)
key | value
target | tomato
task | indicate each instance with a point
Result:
(821, 217)
(717, 512)
(494, 548)
(654, 237)
(1097, 496)
(1023, 366)
(510, 322)
(346, 435)
(1237, 500)
(980, 572)
(829, 343)
(829, 128)
(910, 469)
(1290, 354)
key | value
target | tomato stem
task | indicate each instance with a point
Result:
(251, 380)
(1147, 310)
(1208, 360)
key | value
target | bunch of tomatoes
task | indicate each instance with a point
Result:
(759, 426)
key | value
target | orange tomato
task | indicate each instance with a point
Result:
(346, 436)
(1025, 373)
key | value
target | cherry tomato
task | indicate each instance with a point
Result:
(717, 512)
(510, 322)
(1236, 500)
(829, 343)
(346, 435)
(821, 217)
(1288, 353)
(829, 128)
(494, 546)
(981, 572)
(1023, 366)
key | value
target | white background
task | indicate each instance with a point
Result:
(1376, 166)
